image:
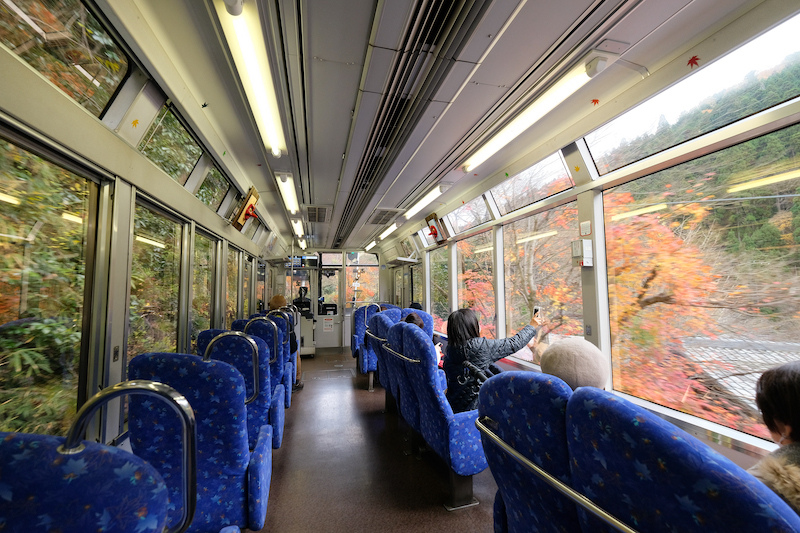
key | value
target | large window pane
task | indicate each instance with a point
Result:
(232, 298)
(248, 269)
(703, 275)
(261, 287)
(543, 179)
(757, 76)
(362, 272)
(43, 239)
(329, 286)
(440, 289)
(155, 283)
(64, 42)
(417, 284)
(170, 147)
(213, 189)
(475, 282)
(469, 215)
(539, 272)
(202, 285)
(331, 259)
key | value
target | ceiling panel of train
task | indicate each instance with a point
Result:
(382, 100)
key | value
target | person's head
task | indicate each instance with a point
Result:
(778, 399)
(413, 318)
(416, 305)
(577, 361)
(276, 302)
(462, 325)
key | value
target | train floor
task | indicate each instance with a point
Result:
(341, 466)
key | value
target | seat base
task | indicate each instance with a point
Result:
(460, 492)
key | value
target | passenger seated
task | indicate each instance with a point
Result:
(464, 343)
(413, 318)
(576, 361)
(778, 399)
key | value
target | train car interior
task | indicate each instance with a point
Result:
(218, 216)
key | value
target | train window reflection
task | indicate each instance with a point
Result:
(155, 282)
(170, 147)
(471, 214)
(43, 240)
(440, 289)
(213, 189)
(759, 75)
(232, 298)
(539, 272)
(703, 274)
(202, 285)
(475, 282)
(65, 43)
(545, 178)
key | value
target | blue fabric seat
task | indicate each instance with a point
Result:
(267, 406)
(394, 313)
(656, 477)
(283, 322)
(528, 411)
(427, 319)
(239, 324)
(361, 317)
(102, 488)
(269, 331)
(232, 482)
(406, 397)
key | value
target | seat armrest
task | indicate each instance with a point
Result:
(259, 476)
(441, 379)
(355, 343)
(466, 449)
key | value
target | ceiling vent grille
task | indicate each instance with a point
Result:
(318, 213)
(381, 217)
(434, 36)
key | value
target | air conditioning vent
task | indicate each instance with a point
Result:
(381, 217)
(319, 213)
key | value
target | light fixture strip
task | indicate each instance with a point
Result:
(388, 231)
(289, 195)
(298, 227)
(538, 236)
(370, 246)
(151, 242)
(636, 212)
(765, 181)
(424, 202)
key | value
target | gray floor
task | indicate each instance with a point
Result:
(342, 468)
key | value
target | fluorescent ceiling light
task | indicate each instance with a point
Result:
(85, 73)
(302, 243)
(370, 246)
(150, 242)
(642, 211)
(298, 227)
(72, 218)
(484, 249)
(8, 199)
(537, 236)
(425, 201)
(574, 79)
(253, 67)
(286, 186)
(388, 231)
(765, 181)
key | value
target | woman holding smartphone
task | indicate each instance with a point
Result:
(464, 343)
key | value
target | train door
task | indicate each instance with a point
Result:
(329, 312)
(398, 287)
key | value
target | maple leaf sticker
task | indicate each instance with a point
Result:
(595, 101)
(135, 123)
(577, 168)
(693, 62)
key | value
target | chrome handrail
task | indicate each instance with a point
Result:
(397, 354)
(253, 346)
(557, 484)
(274, 336)
(73, 445)
(283, 315)
(368, 332)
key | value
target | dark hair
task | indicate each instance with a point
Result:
(778, 397)
(462, 325)
(413, 318)
(416, 305)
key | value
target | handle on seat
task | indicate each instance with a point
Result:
(283, 315)
(274, 337)
(253, 347)
(73, 445)
(398, 354)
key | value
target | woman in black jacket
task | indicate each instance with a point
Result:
(464, 343)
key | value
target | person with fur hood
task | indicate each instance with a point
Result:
(778, 399)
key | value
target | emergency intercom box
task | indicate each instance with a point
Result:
(582, 253)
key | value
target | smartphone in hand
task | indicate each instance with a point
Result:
(536, 310)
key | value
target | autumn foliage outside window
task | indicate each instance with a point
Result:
(170, 146)
(475, 281)
(539, 181)
(440, 289)
(362, 271)
(202, 284)
(232, 293)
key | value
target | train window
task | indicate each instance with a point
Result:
(232, 294)
(65, 43)
(362, 278)
(440, 288)
(250, 230)
(471, 214)
(543, 179)
(475, 282)
(155, 283)
(417, 284)
(202, 285)
(756, 76)
(247, 274)
(170, 146)
(425, 236)
(44, 212)
(332, 259)
(261, 287)
(703, 275)
(539, 272)
(214, 188)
